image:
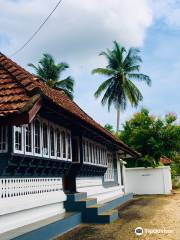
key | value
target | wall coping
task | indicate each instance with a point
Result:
(148, 168)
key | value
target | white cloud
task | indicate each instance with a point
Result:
(78, 29)
(168, 10)
(76, 33)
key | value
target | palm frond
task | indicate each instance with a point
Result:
(103, 71)
(133, 94)
(108, 94)
(67, 92)
(122, 67)
(140, 77)
(62, 66)
(131, 69)
(109, 56)
(118, 52)
(50, 73)
(114, 94)
(132, 59)
(102, 87)
(67, 83)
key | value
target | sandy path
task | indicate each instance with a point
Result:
(152, 212)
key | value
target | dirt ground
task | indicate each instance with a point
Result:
(152, 213)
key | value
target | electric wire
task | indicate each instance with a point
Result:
(37, 31)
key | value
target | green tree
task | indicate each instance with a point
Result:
(119, 87)
(50, 73)
(109, 127)
(152, 136)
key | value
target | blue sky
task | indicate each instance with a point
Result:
(162, 62)
(77, 32)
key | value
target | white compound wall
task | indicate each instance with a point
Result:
(148, 180)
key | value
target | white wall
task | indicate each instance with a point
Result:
(27, 200)
(119, 164)
(119, 171)
(149, 180)
(95, 189)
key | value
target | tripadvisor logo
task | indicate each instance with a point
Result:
(139, 231)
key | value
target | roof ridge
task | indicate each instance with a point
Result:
(18, 68)
(14, 63)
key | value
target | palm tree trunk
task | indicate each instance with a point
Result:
(118, 120)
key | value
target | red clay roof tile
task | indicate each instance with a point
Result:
(16, 85)
(9, 91)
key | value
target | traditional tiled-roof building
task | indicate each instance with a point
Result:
(50, 149)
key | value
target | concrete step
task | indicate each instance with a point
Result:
(103, 218)
(73, 197)
(116, 201)
(96, 209)
(93, 212)
(80, 205)
(87, 202)
(45, 229)
(109, 216)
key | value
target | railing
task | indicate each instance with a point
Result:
(110, 175)
(14, 187)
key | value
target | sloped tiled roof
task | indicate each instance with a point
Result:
(18, 86)
(164, 160)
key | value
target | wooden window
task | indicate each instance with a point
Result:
(90, 153)
(18, 139)
(58, 144)
(3, 139)
(97, 156)
(109, 174)
(40, 138)
(87, 152)
(69, 146)
(37, 137)
(45, 139)
(93, 153)
(84, 150)
(105, 157)
(100, 156)
(64, 145)
(99, 152)
(28, 139)
(52, 142)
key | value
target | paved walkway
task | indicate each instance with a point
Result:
(152, 213)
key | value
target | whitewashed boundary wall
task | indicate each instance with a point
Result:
(149, 180)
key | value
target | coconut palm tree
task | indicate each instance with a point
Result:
(50, 73)
(122, 70)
